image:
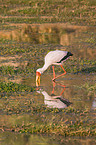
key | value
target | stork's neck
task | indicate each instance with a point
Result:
(41, 70)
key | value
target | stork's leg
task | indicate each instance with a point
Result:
(64, 87)
(53, 81)
(59, 75)
(53, 72)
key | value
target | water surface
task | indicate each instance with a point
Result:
(7, 138)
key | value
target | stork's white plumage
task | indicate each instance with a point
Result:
(56, 57)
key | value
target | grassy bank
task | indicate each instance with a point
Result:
(28, 11)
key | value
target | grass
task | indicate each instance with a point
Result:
(70, 67)
(77, 12)
(67, 127)
(14, 87)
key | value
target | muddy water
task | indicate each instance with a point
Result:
(73, 92)
(8, 138)
(57, 33)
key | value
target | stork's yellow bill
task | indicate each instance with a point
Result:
(38, 79)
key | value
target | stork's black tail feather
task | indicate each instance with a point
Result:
(65, 57)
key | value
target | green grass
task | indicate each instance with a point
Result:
(77, 12)
(11, 87)
(70, 67)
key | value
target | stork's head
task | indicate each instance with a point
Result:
(38, 74)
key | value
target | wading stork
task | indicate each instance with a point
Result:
(56, 57)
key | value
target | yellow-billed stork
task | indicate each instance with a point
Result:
(56, 57)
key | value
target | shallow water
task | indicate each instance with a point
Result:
(73, 91)
(9, 138)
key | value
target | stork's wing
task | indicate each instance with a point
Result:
(55, 56)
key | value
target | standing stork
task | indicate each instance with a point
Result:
(56, 57)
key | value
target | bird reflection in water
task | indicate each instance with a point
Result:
(54, 101)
